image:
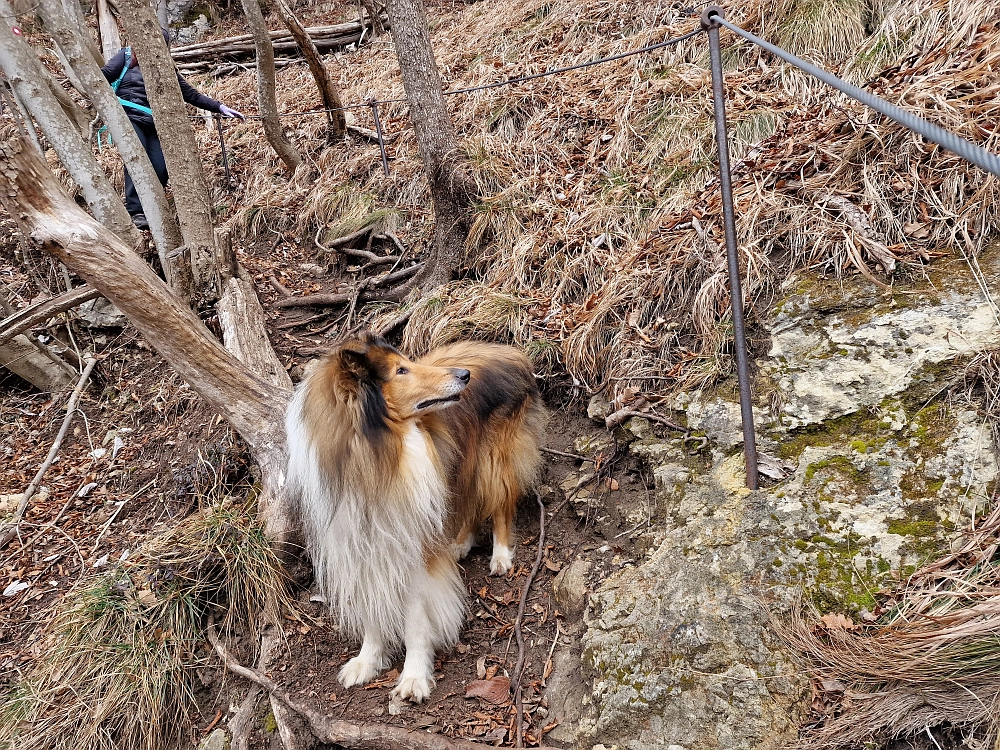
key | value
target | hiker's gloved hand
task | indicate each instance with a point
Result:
(227, 112)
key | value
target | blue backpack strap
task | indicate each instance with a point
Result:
(117, 83)
(128, 61)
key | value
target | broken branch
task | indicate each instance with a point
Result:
(519, 669)
(32, 315)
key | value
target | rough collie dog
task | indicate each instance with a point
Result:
(395, 464)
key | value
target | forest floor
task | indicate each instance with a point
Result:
(144, 450)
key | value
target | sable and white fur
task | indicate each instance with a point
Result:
(394, 465)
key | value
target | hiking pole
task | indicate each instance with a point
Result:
(710, 23)
(225, 156)
(381, 141)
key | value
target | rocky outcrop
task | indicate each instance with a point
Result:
(680, 650)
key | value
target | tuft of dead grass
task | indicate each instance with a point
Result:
(599, 211)
(119, 660)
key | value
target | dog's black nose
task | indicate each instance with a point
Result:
(462, 375)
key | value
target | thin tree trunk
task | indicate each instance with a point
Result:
(253, 406)
(265, 88)
(180, 149)
(72, 7)
(161, 13)
(162, 224)
(30, 80)
(447, 171)
(327, 89)
(111, 38)
(72, 110)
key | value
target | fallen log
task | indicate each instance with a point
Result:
(190, 56)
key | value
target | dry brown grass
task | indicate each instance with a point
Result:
(119, 659)
(598, 238)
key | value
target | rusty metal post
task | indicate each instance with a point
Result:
(381, 141)
(710, 24)
(225, 156)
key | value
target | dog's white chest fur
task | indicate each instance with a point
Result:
(366, 551)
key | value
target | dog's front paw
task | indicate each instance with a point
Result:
(502, 561)
(358, 671)
(413, 688)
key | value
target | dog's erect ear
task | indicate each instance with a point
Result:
(354, 359)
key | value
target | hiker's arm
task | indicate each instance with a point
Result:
(196, 98)
(114, 67)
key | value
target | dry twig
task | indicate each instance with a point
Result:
(11, 531)
(519, 668)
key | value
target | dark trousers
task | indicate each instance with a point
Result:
(150, 140)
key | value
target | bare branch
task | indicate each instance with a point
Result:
(11, 531)
(31, 316)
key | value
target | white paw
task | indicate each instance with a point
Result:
(358, 671)
(413, 688)
(502, 561)
(462, 549)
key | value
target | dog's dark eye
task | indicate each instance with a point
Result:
(402, 371)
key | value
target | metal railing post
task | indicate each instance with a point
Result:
(381, 140)
(225, 156)
(711, 25)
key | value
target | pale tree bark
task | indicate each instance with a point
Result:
(252, 405)
(30, 81)
(162, 224)
(70, 108)
(273, 131)
(446, 168)
(75, 12)
(111, 37)
(327, 89)
(180, 149)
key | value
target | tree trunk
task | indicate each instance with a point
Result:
(157, 210)
(253, 406)
(161, 14)
(265, 88)
(29, 80)
(327, 90)
(180, 149)
(447, 170)
(111, 38)
(75, 12)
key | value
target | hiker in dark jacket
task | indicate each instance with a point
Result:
(131, 91)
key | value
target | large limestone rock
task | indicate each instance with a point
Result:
(680, 650)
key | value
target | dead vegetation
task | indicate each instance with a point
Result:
(118, 664)
(597, 242)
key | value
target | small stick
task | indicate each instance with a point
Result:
(554, 452)
(615, 419)
(552, 650)
(519, 740)
(22, 506)
(277, 286)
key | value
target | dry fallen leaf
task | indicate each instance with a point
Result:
(496, 690)
(837, 621)
(481, 667)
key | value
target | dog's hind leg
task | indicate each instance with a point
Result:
(364, 667)
(433, 619)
